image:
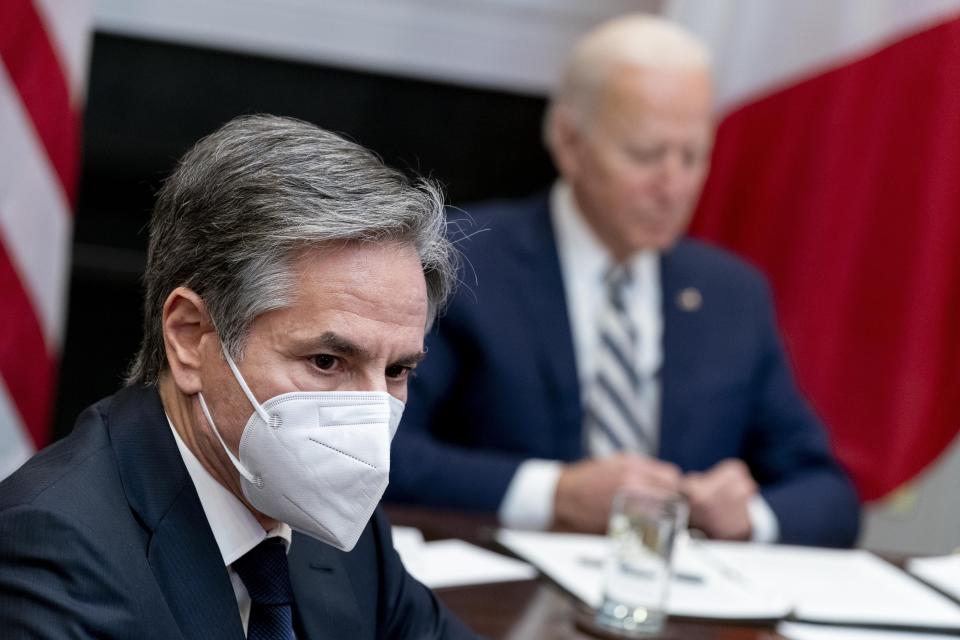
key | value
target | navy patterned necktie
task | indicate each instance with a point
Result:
(613, 418)
(266, 575)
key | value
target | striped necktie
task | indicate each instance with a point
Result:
(613, 420)
(266, 576)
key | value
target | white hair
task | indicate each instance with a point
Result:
(639, 40)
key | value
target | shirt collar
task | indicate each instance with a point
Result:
(234, 527)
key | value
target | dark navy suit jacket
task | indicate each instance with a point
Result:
(102, 535)
(500, 386)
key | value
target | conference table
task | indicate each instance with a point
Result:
(534, 609)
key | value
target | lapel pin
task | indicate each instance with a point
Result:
(690, 299)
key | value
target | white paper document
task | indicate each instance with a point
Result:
(407, 541)
(802, 631)
(840, 586)
(701, 589)
(452, 563)
(943, 572)
(744, 581)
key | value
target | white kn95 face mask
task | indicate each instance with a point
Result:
(316, 460)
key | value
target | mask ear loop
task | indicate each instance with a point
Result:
(256, 407)
(243, 385)
(236, 463)
(396, 413)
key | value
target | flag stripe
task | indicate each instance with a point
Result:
(34, 69)
(844, 189)
(35, 221)
(25, 364)
(15, 446)
(762, 46)
(67, 22)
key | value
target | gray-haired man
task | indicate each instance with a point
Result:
(289, 282)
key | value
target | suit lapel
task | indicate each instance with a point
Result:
(680, 327)
(543, 301)
(189, 568)
(326, 605)
(182, 551)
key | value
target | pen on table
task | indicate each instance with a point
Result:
(681, 576)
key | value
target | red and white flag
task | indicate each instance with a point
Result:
(837, 171)
(43, 61)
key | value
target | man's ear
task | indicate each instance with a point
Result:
(185, 324)
(564, 138)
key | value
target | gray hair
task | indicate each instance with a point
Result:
(640, 40)
(246, 199)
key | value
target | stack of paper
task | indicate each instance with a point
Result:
(702, 589)
(756, 582)
(841, 586)
(800, 631)
(942, 572)
(452, 563)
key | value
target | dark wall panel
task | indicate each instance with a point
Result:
(149, 101)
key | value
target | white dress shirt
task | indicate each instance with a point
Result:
(584, 262)
(234, 527)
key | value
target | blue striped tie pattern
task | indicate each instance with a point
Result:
(266, 575)
(613, 420)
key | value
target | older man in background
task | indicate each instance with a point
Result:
(290, 278)
(597, 349)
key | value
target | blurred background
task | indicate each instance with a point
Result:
(836, 171)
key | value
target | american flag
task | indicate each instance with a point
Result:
(43, 60)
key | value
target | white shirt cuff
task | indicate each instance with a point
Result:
(763, 521)
(528, 502)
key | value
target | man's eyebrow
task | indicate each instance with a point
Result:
(336, 343)
(410, 360)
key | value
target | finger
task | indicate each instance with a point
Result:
(664, 472)
(710, 481)
(737, 492)
(740, 480)
(622, 459)
(732, 467)
(661, 480)
(729, 472)
(693, 487)
(647, 482)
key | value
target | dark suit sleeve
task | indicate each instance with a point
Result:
(790, 455)
(56, 581)
(426, 469)
(409, 609)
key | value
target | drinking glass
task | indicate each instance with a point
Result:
(644, 525)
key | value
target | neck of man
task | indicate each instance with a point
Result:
(618, 250)
(185, 415)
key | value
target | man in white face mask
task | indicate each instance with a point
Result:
(230, 490)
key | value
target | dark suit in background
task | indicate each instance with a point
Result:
(102, 535)
(500, 385)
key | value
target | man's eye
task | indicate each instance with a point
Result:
(397, 371)
(645, 154)
(693, 157)
(324, 361)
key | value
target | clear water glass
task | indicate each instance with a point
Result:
(638, 570)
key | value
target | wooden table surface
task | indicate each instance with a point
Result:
(534, 609)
